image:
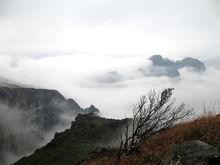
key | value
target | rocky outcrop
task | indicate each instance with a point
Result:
(87, 133)
(194, 153)
(29, 117)
(92, 109)
(165, 67)
(158, 60)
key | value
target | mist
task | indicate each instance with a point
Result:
(81, 79)
(21, 136)
(71, 45)
(96, 52)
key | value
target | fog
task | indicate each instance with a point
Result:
(21, 136)
(80, 78)
(71, 45)
(92, 51)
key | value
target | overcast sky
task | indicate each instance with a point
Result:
(110, 27)
(72, 45)
(64, 44)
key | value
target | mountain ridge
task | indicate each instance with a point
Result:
(29, 117)
(166, 67)
(87, 133)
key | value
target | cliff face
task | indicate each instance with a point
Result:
(86, 133)
(45, 105)
(29, 118)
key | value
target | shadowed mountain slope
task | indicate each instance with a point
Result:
(29, 118)
(45, 105)
(86, 133)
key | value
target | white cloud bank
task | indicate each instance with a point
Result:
(66, 45)
(76, 79)
(61, 44)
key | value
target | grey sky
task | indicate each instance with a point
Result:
(118, 27)
(64, 44)
(69, 45)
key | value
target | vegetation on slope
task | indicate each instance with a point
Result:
(87, 133)
(156, 149)
(145, 139)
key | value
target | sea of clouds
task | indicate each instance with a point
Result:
(85, 78)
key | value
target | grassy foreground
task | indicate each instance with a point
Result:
(156, 149)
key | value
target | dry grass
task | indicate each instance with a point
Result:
(156, 149)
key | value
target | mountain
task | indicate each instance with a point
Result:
(160, 67)
(166, 67)
(87, 133)
(92, 109)
(29, 118)
(83, 143)
(46, 105)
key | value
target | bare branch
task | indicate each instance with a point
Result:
(153, 113)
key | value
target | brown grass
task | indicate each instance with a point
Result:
(156, 149)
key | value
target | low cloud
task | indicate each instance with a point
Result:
(21, 135)
(17, 134)
(78, 77)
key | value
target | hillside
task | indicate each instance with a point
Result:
(46, 105)
(87, 133)
(29, 118)
(157, 149)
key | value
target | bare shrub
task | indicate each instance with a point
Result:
(153, 113)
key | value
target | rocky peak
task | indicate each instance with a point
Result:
(191, 62)
(166, 67)
(156, 59)
(92, 109)
(160, 61)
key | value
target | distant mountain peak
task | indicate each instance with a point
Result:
(159, 60)
(92, 109)
(191, 62)
(156, 59)
(166, 67)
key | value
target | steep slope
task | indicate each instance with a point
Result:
(86, 133)
(156, 149)
(45, 105)
(29, 118)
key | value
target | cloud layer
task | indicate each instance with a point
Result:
(69, 46)
(78, 79)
